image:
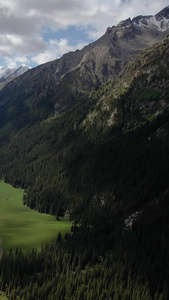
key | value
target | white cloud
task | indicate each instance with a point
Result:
(15, 40)
(21, 23)
(55, 49)
(16, 60)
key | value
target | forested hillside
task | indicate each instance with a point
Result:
(107, 146)
(86, 136)
(100, 161)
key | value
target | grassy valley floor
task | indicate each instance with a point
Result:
(3, 297)
(21, 227)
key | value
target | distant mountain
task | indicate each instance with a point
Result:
(56, 86)
(7, 73)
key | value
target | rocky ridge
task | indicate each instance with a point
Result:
(56, 86)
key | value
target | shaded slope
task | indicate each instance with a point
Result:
(111, 146)
(101, 160)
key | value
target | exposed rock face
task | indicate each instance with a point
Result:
(158, 22)
(137, 97)
(81, 71)
(163, 15)
(128, 223)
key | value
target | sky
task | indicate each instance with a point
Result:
(33, 32)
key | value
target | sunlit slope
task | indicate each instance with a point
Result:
(22, 227)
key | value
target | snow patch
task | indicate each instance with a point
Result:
(152, 21)
(6, 73)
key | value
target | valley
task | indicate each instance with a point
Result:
(22, 227)
(3, 297)
(86, 136)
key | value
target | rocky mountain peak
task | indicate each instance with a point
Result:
(160, 21)
(124, 23)
(164, 13)
(82, 71)
(8, 73)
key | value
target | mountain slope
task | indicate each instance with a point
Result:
(106, 141)
(142, 85)
(58, 85)
(104, 161)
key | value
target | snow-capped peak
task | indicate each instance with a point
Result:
(160, 21)
(161, 25)
(7, 73)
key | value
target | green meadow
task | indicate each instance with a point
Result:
(22, 227)
(3, 297)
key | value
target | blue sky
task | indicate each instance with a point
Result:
(33, 32)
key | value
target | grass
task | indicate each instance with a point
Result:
(2, 296)
(22, 227)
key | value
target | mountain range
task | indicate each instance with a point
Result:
(87, 136)
(57, 83)
(7, 74)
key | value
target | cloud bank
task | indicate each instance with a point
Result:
(25, 26)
